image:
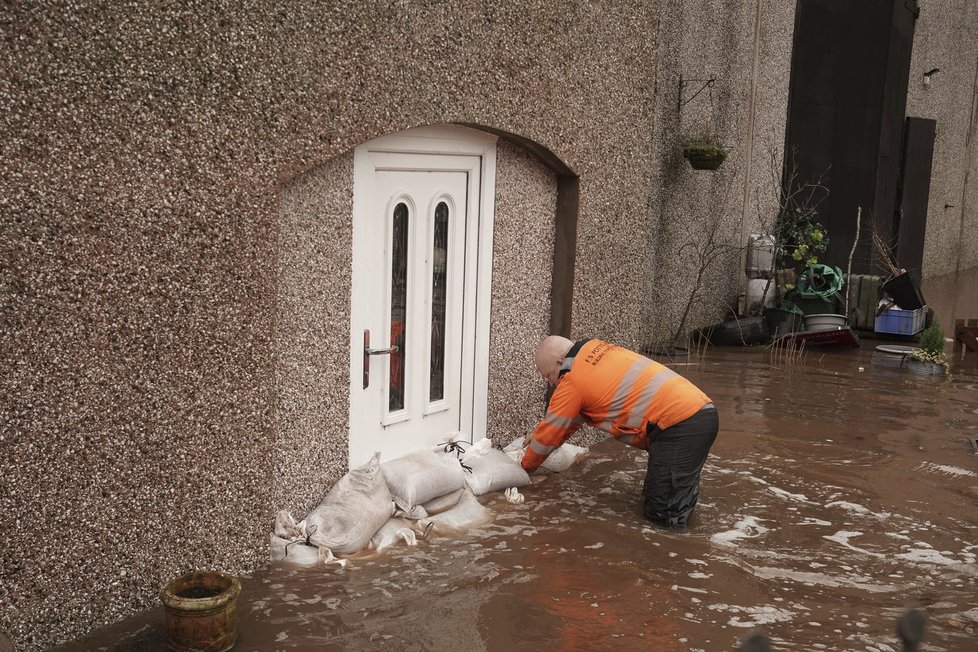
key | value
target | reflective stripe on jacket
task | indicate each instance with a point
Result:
(616, 390)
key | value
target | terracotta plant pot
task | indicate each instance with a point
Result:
(201, 612)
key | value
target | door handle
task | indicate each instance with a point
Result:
(367, 352)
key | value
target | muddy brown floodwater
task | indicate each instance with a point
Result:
(840, 491)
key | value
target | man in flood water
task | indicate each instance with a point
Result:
(638, 401)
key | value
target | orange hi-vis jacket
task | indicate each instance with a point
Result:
(616, 390)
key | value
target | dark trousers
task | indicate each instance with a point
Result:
(676, 457)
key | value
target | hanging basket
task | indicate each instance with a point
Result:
(705, 157)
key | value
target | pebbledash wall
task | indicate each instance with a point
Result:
(944, 39)
(175, 252)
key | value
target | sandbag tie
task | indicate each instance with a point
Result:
(455, 447)
(309, 532)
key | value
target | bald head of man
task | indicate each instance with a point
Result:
(550, 355)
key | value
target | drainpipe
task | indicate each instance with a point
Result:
(751, 109)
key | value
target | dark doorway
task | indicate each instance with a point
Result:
(847, 102)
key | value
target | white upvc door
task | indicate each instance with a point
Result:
(419, 322)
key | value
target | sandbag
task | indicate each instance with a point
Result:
(413, 512)
(422, 475)
(443, 503)
(352, 511)
(286, 527)
(393, 532)
(292, 551)
(560, 459)
(467, 513)
(493, 470)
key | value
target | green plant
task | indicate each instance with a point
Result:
(932, 338)
(801, 238)
(931, 346)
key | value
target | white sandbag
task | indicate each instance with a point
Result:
(455, 436)
(559, 460)
(327, 558)
(413, 512)
(562, 458)
(493, 470)
(292, 551)
(422, 475)
(286, 527)
(480, 447)
(394, 532)
(443, 503)
(352, 511)
(467, 513)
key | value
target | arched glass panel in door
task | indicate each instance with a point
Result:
(399, 307)
(439, 285)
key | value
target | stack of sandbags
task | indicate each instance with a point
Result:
(379, 505)
(438, 487)
(421, 476)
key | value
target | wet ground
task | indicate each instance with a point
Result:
(842, 489)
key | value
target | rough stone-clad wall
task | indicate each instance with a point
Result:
(523, 239)
(700, 40)
(137, 244)
(612, 263)
(944, 39)
(147, 152)
(312, 335)
(969, 204)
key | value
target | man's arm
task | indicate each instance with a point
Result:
(562, 420)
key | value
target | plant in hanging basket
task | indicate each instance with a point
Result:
(704, 153)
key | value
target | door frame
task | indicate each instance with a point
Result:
(436, 140)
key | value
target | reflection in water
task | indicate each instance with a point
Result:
(839, 492)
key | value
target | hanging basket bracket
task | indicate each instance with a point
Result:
(683, 83)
